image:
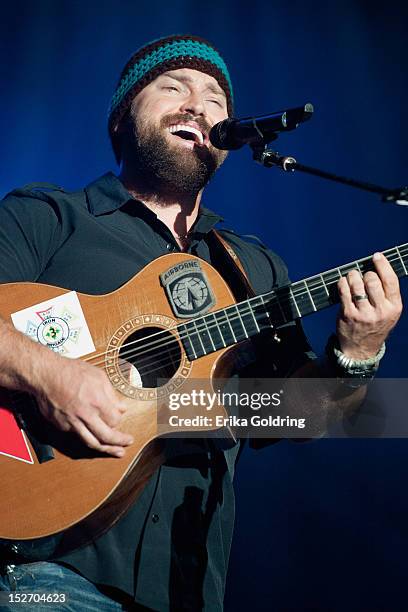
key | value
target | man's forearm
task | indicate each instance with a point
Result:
(22, 361)
(317, 395)
(340, 395)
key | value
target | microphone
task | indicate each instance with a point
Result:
(233, 133)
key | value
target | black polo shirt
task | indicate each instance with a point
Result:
(171, 549)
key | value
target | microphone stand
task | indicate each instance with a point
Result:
(269, 158)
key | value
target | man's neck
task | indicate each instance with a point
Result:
(176, 210)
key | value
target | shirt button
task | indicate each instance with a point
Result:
(155, 518)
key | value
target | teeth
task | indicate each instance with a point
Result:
(187, 128)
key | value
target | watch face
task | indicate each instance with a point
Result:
(188, 289)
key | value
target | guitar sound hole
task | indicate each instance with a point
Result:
(149, 357)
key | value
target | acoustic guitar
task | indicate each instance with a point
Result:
(173, 323)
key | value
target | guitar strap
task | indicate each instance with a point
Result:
(232, 270)
(235, 274)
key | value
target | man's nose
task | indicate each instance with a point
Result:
(193, 104)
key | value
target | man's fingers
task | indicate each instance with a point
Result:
(98, 436)
(122, 407)
(121, 402)
(387, 276)
(356, 283)
(111, 414)
(111, 405)
(374, 289)
(371, 306)
(107, 435)
(377, 286)
(92, 442)
(344, 293)
(349, 288)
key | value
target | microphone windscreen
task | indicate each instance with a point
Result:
(222, 135)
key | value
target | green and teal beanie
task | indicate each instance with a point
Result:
(156, 57)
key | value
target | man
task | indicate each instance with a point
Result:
(170, 550)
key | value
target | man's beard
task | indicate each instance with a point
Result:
(175, 168)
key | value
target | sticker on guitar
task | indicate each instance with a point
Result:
(59, 324)
(188, 289)
(13, 442)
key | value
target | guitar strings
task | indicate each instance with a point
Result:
(200, 326)
(204, 327)
(173, 340)
(174, 353)
(155, 345)
(158, 344)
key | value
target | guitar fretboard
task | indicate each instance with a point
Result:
(238, 322)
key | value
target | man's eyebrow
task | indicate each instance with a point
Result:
(216, 90)
(187, 79)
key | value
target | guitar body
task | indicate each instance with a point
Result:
(77, 489)
(167, 330)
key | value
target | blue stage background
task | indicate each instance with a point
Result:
(320, 526)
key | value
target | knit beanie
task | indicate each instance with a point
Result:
(156, 57)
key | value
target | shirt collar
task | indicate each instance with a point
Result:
(107, 194)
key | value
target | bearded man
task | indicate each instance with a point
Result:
(170, 550)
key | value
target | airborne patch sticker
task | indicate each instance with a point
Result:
(188, 289)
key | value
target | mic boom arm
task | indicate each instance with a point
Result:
(268, 158)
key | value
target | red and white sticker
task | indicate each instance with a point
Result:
(13, 442)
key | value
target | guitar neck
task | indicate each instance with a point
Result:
(230, 325)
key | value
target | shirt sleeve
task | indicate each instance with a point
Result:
(29, 235)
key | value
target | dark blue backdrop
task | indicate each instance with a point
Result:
(320, 526)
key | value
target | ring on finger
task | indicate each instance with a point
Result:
(358, 298)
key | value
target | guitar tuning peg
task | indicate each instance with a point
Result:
(276, 338)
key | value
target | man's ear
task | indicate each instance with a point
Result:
(118, 132)
(124, 124)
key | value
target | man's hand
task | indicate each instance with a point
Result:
(370, 307)
(78, 397)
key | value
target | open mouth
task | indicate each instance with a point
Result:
(188, 132)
